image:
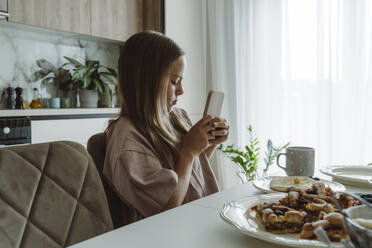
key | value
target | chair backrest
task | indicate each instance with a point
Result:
(97, 149)
(50, 196)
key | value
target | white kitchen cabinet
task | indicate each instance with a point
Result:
(78, 130)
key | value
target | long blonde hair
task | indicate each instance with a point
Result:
(144, 60)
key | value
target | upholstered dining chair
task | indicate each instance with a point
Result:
(50, 196)
(97, 149)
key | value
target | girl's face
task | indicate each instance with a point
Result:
(174, 79)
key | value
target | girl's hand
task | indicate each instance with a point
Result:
(220, 132)
(198, 137)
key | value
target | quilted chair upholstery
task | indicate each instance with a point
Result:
(97, 149)
(50, 196)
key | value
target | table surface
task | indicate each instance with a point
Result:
(196, 224)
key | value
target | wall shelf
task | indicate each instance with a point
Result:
(68, 113)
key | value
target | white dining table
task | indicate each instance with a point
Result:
(196, 224)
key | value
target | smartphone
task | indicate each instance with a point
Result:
(213, 106)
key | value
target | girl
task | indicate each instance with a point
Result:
(155, 159)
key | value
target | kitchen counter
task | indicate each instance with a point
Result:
(21, 126)
(63, 113)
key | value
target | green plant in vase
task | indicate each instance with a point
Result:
(49, 74)
(90, 79)
(271, 154)
(247, 158)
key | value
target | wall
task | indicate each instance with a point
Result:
(183, 23)
(21, 46)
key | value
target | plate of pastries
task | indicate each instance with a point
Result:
(291, 218)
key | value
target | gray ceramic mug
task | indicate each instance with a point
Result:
(299, 161)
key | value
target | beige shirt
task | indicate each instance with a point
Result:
(138, 177)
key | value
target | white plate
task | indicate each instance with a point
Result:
(263, 184)
(350, 174)
(239, 214)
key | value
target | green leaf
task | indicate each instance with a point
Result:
(45, 65)
(248, 149)
(272, 153)
(37, 75)
(74, 62)
(79, 74)
(250, 153)
(113, 79)
(236, 152)
(370, 163)
(91, 63)
(47, 80)
(250, 128)
(67, 63)
(99, 85)
(107, 88)
(238, 159)
(112, 71)
(269, 145)
(85, 83)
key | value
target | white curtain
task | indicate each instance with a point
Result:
(298, 71)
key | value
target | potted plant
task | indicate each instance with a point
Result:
(247, 158)
(92, 79)
(50, 74)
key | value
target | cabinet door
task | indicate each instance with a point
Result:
(4, 5)
(78, 130)
(153, 15)
(66, 15)
(116, 19)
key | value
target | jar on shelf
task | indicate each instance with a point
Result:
(36, 104)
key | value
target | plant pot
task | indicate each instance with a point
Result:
(115, 101)
(88, 98)
(66, 102)
(45, 102)
(106, 99)
(55, 102)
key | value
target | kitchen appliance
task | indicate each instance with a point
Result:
(15, 130)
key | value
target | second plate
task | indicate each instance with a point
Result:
(263, 184)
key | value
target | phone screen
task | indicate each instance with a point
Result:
(213, 106)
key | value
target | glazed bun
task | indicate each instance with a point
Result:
(295, 182)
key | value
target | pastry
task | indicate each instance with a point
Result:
(302, 211)
(284, 183)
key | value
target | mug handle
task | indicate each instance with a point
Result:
(277, 161)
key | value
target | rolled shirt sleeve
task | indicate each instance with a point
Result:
(142, 181)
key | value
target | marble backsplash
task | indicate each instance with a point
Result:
(21, 47)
